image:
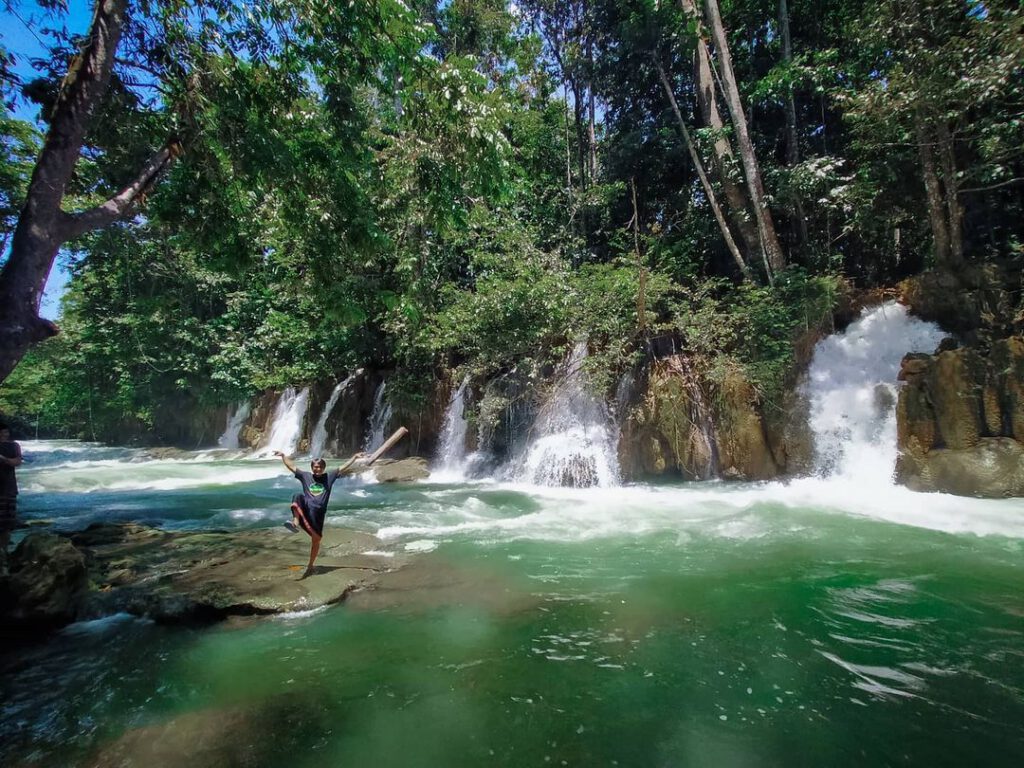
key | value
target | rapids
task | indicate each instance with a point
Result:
(816, 622)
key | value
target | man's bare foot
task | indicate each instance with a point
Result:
(307, 573)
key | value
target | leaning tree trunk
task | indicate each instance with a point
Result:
(698, 165)
(43, 227)
(765, 225)
(723, 160)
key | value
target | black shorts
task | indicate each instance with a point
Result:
(8, 513)
(310, 517)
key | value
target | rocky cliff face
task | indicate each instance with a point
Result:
(960, 416)
(684, 423)
(960, 420)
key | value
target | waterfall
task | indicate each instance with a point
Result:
(235, 421)
(380, 418)
(318, 441)
(573, 440)
(286, 426)
(852, 391)
(451, 453)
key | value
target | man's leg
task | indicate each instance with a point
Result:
(316, 522)
(5, 540)
(314, 550)
(8, 519)
(300, 515)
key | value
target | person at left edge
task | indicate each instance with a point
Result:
(309, 508)
(10, 457)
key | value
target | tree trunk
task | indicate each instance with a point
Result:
(591, 132)
(955, 222)
(933, 193)
(765, 225)
(723, 160)
(698, 165)
(42, 225)
(792, 144)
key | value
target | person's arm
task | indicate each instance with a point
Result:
(345, 468)
(286, 460)
(16, 461)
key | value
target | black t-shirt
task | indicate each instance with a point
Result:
(8, 482)
(316, 488)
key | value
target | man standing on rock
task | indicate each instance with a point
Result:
(10, 457)
(309, 508)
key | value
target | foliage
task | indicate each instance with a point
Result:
(414, 187)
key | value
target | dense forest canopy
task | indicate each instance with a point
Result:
(305, 187)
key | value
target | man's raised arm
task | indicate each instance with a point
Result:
(286, 460)
(346, 468)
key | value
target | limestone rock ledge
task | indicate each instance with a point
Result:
(181, 577)
(685, 424)
(960, 420)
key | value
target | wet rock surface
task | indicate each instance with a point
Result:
(46, 583)
(960, 420)
(683, 424)
(190, 578)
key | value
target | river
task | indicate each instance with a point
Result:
(819, 622)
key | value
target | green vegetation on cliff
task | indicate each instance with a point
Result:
(460, 185)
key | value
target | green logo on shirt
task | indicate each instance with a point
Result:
(316, 489)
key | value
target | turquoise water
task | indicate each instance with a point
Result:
(702, 624)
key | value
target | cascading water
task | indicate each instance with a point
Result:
(852, 391)
(286, 427)
(574, 439)
(451, 454)
(318, 441)
(236, 419)
(380, 417)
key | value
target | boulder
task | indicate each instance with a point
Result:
(401, 471)
(991, 468)
(47, 582)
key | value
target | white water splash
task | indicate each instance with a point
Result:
(286, 426)
(852, 390)
(236, 419)
(318, 441)
(574, 439)
(451, 452)
(380, 417)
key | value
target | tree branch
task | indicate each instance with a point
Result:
(991, 186)
(124, 202)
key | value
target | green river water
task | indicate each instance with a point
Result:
(818, 623)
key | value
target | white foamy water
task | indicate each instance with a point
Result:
(236, 419)
(380, 418)
(451, 452)
(286, 427)
(318, 441)
(852, 387)
(573, 438)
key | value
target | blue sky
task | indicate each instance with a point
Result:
(22, 25)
